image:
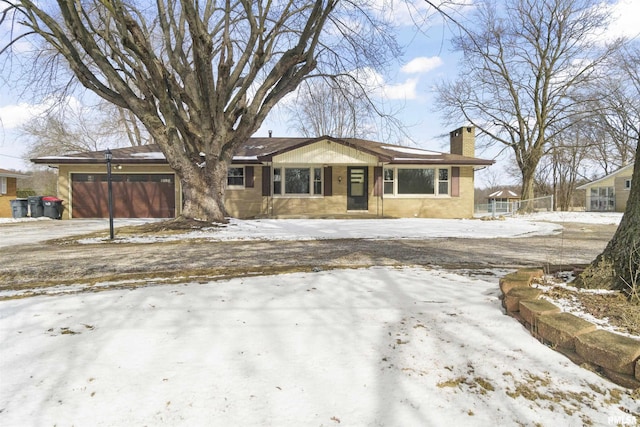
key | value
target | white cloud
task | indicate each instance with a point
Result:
(374, 83)
(625, 18)
(13, 116)
(405, 90)
(422, 64)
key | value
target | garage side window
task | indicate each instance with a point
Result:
(3, 185)
(235, 177)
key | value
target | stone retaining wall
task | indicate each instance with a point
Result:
(615, 356)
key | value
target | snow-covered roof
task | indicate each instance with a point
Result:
(504, 194)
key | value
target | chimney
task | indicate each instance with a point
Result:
(463, 141)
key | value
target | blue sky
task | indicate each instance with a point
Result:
(407, 86)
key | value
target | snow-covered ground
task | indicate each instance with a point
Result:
(381, 346)
(28, 230)
(405, 228)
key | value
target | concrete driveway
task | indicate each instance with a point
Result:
(35, 230)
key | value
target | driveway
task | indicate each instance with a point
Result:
(36, 230)
(27, 265)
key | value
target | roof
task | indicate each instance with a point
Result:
(504, 194)
(611, 175)
(259, 150)
(12, 174)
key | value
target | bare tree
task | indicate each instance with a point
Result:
(322, 107)
(615, 103)
(563, 167)
(622, 251)
(202, 76)
(65, 129)
(523, 67)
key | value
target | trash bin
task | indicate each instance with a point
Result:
(52, 207)
(20, 208)
(35, 206)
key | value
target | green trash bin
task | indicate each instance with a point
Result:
(35, 206)
(20, 208)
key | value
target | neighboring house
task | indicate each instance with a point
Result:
(8, 186)
(609, 193)
(285, 177)
(502, 200)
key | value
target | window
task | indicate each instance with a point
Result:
(297, 181)
(417, 181)
(602, 199)
(388, 181)
(627, 184)
(317, 181)
(443, 181)
(235, 177)
(277, 181)
(3, 185)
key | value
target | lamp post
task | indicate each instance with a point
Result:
(108, 157)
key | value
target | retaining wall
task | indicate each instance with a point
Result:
(615, 356)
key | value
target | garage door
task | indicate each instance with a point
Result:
(134, 195)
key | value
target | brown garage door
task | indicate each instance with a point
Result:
(134, 195)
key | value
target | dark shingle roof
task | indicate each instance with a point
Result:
(258, 150)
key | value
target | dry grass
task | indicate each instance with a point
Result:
(615, 307)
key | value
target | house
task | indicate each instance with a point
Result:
(285, 177)
(8, 187)
(609, 193)
(501, 201)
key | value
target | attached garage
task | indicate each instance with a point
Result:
(134, 195)
(143, 184)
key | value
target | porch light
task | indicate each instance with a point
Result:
(108, 156)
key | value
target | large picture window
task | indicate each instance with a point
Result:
(416, 181)
(297, 181)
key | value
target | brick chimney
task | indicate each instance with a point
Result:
(463, 141)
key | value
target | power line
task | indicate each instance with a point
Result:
(12, 157)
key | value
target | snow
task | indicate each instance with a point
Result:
(579, 217)
(378, 346)
(407, 150)
(157, 155)
(245, 158)
(375, 229)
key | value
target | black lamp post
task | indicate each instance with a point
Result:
(108, 157)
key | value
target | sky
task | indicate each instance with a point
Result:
(407, 87)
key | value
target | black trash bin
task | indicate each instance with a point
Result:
(35, 206)
(52, 207)
(20, 208)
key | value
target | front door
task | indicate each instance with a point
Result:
(357, 180)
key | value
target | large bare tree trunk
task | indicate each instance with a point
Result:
(618, 266)
(204, 194)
